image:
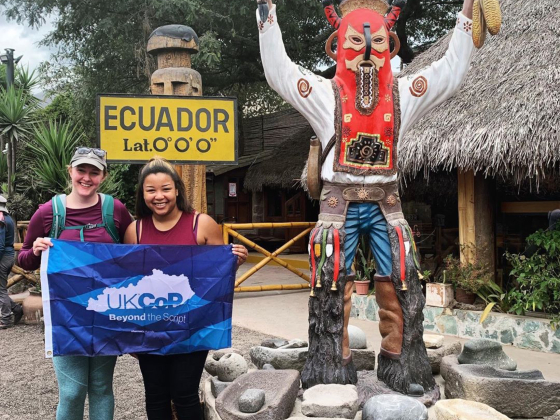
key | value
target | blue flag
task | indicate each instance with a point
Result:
(107, 299)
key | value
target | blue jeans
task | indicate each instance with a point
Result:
(79, 376)
(367, 219)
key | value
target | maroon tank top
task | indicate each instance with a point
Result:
(182, 233)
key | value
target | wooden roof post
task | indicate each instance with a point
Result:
(173, 46)
(466, 215)
(476, 217)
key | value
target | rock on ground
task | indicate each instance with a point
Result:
(280, 387)
(436, 355)
(218, 354)
(433, 341)
(211, 365)
(274, 343)
(209, 401)
(295, 344)
(358, 338)
(251, 400)
(516, 394)
(231, 366)
(394, 407)
(218, 386)
(330, 401)
(279, 358)
(555, 416)
(364, 359)
(370, 386)
(482, 351)
(465, 410)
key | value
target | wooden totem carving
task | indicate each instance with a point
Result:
(173, 46)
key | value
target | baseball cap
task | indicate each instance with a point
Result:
(3, 202)
(90, 156)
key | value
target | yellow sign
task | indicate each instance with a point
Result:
(133, 128)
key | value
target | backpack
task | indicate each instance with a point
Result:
(59, 218)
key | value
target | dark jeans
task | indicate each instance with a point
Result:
(172, 378)
(6, 304)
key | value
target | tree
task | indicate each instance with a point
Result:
(422, 22)
(60, 109)
(102, 43)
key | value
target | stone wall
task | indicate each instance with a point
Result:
(519, 331)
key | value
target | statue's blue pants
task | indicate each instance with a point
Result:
(79, 376)
(367, 219)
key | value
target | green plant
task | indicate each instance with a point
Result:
(492, 292)
(470, 276)
(495, 297)
(364, 262)
(121, 183)
(537, 276)
(26, 80)
(17, 117)
(49, 154)
(425, 275)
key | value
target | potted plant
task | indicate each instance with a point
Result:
(362, 285)
(438, 294)
(467, 277)
(365, 268)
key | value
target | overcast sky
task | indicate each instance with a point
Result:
(25, 41)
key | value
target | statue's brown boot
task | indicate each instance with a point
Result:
(346, 352)
(390, 317)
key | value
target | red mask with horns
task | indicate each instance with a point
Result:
(367, 129)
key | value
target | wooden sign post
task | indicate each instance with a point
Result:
(173, 46)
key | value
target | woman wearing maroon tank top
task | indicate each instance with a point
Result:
(165, 218)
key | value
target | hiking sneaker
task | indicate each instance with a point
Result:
(18, 313)
(4, 326)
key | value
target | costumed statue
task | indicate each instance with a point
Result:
(358, 117)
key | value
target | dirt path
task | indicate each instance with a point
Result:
(28, 389)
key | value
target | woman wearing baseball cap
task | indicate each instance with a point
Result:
(84, 220)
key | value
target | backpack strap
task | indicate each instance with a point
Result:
(107, 211)
(59, 215)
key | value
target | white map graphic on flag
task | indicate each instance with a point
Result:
(157, 289)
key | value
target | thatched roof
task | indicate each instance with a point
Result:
(260, 136)
(283, 169)
(242, 162)
(505, 119)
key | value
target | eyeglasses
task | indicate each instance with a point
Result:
(87, 150)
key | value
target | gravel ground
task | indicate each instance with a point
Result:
(28, 389)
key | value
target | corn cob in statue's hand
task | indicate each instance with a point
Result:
(486, 15)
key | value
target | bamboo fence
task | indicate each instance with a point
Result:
(229, 229)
